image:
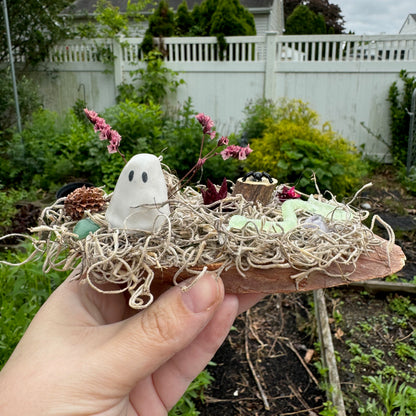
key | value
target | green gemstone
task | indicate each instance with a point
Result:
(84, 227)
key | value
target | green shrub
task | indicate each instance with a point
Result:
(294, 145)
(50, 151)
(232, 19)
(408, 179)
(183, 20)
(400, 103)
(150, 84)
(8, 200)
(304, 21)
(257, 115)
(53, 150)
(29, 99)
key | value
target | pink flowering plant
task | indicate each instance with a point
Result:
(106, 132)
(228, 151)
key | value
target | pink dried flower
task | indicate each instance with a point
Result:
(106, 132)
(236, 152)
(115, 139)
(231, 151)
(207, 124)
(223, 141)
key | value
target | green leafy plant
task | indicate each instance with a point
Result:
(29, 100)
(329, 409)
(56, 149)
(51, 150)
(400, 104)
(35, 27)
(293, 146)
(8, 200)
(150, 84)
(195, 391)
(257, 116)
(408, 179)
(391, 399)
(405, 351)
(403, 306)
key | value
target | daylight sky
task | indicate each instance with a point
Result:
(372, 17)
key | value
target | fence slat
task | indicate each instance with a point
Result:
(310, 48)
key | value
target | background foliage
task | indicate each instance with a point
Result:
(218, 18)
(29, 100)
(56, 149)
(330, 12)
(304, 21)
(35, 26)
(289, 143)
(400, 98)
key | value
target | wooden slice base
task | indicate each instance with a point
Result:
(372, 266)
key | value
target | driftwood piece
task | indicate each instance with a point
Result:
(279, 280)
(382, 286)
(255, 191)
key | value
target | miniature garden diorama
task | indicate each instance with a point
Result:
(155, 230)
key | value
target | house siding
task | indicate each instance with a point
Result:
(409, 26)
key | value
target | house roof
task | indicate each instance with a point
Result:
(82, 7)
(412, 16)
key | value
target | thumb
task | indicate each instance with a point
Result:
(145, 341)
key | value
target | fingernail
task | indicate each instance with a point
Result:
(202, 295)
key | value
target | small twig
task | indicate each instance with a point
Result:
(250, 364)
(209, 399)
(298, 412)
(308, 409)
(407, 336)
(302, 361)
(250, 326)
(295, 391)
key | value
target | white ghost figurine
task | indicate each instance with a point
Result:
(139, 200)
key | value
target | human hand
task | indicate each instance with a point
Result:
(85, 354)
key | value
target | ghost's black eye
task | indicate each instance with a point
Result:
(131, 175)
(144, 177)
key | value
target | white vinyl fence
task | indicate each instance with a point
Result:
(345, 78)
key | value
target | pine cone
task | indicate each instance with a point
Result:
(83, 199)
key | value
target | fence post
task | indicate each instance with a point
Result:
(269, 68)
(118, 62)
